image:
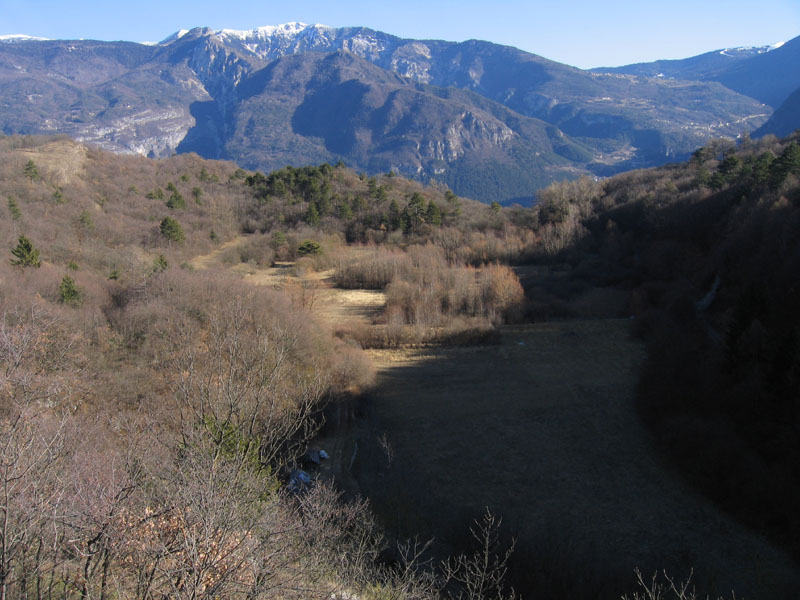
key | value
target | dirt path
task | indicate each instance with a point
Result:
(214, 258)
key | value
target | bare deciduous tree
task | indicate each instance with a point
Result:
(482, 573)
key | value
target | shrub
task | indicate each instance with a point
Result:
(176, 201)
(160, 264)
(309, 248)
(172, 230)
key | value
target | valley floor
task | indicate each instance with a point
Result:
(542, 429)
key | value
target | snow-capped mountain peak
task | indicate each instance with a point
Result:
(21, 37)
(286, 30)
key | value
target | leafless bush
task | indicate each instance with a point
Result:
(373, 270)
(481, 574)
(664, 589)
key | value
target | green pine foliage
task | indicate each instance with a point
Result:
(312, 215)
(309, 248)
(68, 291)
(13, 209)
(31, 171)
(160, 264)
(171, 230)
(176, 201)
(85, 220)
(25, 255)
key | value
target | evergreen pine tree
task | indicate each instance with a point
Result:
(395, 218)
(433, 215)
(13, 209)
(312, 215)
(25, 254)
(31, 170)
(176, 201)
(171, 230)
(68, 292)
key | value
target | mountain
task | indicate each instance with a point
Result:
(785, 120)
(621, 117)
(491, 121)
(695, 68)
(768, 73)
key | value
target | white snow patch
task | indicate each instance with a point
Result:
(19, 37)
(285, 30)
(174, 37)
(750, 50)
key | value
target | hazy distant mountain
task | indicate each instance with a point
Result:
(698, 67)
(768, 73)
(491, 121)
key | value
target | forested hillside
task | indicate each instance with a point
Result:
(709, 251)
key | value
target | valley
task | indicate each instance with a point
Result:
(542, 429)
(613, 372)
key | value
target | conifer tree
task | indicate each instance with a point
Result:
(433, 214)
(395, 218)
(172, 230)
(68, 292)
(25, 255)
(13, 209)
(31, 170)
(312, 215)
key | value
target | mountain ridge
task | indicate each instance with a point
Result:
(190, 93)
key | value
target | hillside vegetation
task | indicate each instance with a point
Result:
(709, 252)
(152, 412)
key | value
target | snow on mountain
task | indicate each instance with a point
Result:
(21, 37)
(744, 51)
(174, 37)
(286, 30)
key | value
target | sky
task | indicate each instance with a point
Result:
(583, 33)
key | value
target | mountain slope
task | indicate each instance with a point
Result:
(768, 74)
(698, 67)
(492, 121)
(653, 120)
(314, 107)
(785, 120)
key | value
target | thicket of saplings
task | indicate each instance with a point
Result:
(710, 251)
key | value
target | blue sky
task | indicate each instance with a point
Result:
(584, 33)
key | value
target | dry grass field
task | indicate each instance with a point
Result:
(542, 429)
